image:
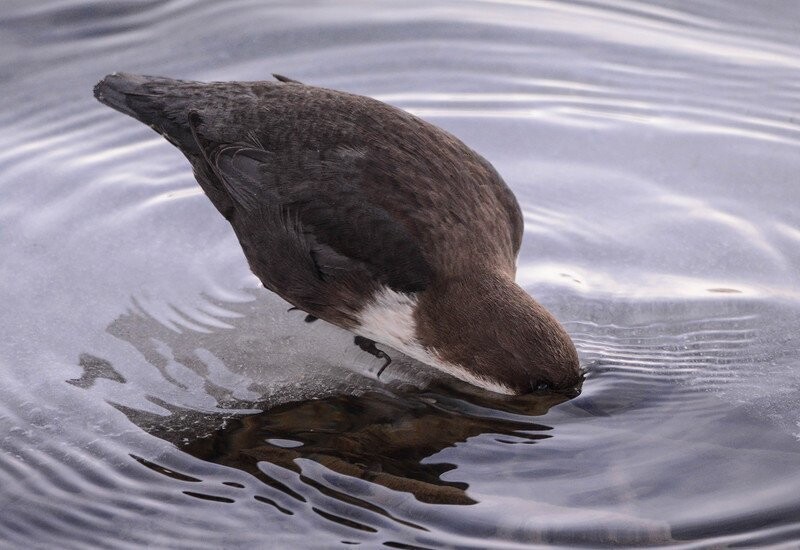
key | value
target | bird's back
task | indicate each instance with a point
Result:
(334, 155)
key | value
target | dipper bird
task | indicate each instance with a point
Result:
(368, 217)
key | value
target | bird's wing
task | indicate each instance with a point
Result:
(322, 190)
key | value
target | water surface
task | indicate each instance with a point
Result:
(154, 394)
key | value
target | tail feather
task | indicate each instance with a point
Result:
(156, 101)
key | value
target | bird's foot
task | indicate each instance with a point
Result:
(309, 318)
(369, 346)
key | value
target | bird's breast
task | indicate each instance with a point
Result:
(388, 317)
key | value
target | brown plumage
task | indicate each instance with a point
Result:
(367, 217)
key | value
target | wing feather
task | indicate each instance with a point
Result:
(326, 197)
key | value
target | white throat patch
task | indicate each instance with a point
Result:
(388, 318)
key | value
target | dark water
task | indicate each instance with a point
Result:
(153, 395)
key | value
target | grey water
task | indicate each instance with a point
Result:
(154, 395)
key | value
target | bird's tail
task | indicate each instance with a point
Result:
(161, 103)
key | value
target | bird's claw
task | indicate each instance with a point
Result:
(369, 346)
(309, 318)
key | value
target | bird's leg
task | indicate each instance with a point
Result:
(369, 346)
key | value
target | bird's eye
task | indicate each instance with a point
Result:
(541, 386)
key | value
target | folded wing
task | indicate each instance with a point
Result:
(318, 196)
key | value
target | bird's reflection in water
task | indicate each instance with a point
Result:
(354, 426)
(378, 437)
